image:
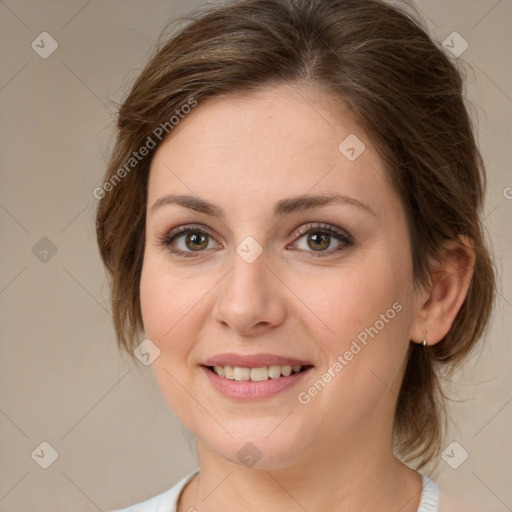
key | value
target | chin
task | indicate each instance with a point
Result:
(259, 451)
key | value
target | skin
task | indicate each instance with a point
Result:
(245, 154)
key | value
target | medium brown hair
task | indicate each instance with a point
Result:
(404, 91)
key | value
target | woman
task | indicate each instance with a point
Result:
(291, 222)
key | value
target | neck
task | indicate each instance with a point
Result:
(360, 474)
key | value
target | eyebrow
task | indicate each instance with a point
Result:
(282, 207)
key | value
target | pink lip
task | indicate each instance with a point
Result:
(248, 390)
(253, 361)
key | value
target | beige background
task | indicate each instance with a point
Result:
(63, 380)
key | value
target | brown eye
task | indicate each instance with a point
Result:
(187, 240)
(318, 241)
(319, 238)
(195, 240)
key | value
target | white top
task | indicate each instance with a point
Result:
(168, 500)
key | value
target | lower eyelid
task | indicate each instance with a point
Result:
(344, 243)
(172, 240)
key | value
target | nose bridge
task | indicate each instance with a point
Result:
(248, 262)
(247, 283)
(248, 297)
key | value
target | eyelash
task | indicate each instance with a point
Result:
(347, 241)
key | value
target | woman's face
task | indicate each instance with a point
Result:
(335, 297)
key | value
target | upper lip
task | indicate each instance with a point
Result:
(253, 361)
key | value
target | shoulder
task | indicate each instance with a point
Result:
(450, 503)
(167, 500)
(434, 500)
(430, 496)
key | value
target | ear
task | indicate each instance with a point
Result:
(440, 302)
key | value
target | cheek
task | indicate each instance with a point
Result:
(367, 307)
(155, 301)
(174, 305)
(164, 307)
(166, 299)
(361, 297)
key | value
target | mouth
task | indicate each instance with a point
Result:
(254, 376)
(245, 384)
(258, 374)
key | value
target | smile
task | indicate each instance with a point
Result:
(240, 373)
(242, 383)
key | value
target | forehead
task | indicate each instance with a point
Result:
(278, 142)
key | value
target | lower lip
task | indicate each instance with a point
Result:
(249, 390)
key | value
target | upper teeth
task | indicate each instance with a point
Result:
(255, 374)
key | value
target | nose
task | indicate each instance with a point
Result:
(250, 299)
